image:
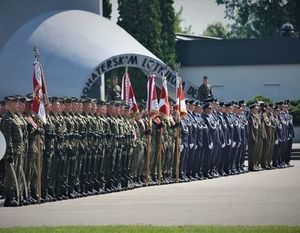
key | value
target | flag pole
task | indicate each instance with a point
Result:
(177, 136)
(159, 155)
(149, 141)
(38, 141)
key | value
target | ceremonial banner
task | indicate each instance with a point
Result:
(164, 107)
(180, 99)
(39, 91)
(128, 93)
(152, 104)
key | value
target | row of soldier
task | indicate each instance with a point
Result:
(91, 147)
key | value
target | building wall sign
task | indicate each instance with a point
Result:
(145, 63)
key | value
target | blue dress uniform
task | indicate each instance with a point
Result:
(285, 138)
(193, 135)
(236, 142)
(220, 141)
(185, 129)
(229, 140)
(224, 142)
(291, 134)
(209, 153)
(199, 147)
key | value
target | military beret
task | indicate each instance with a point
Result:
(242, 102)
(29, 96)
(68, 100)
(126, 106)
(215, 100)
(11, 98)
(228, 104)
(192, 102)
(74, 99)
(222, 104)
(54, 99)
(276, 107)
(186, 101)
(261, 104)
(279, 103)
(22, 99)
(209, 100)
(206, 105)
(86, 100)
(271, 105)
(254, 105)
(199, 104)
(100, 101)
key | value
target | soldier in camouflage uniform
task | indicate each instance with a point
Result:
(2, 162)
(57, 170)
(253, 137)
(10, 127)
(31, 153)
(47, 155)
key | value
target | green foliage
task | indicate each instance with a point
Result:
(178, 22)
(168, 36)
(261, 18)
(152, 23)
(295, 111)
(266, 100)
(151, 26)
(107, 8)
(154, 229)
(217, 29)
(129, 17)
(138, 80)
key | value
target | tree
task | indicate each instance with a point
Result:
(178, 22)
(107, 8)
(217, 29)
(168, 36)
(260, 18)
(129, 17)
(151, 26)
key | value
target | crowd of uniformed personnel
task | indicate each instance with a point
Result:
(91, 147)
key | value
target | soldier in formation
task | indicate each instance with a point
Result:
(90, 147)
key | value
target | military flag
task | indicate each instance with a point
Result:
(152, 104)
(164, 107)
(39, 91)
(180, 99)
(128, 93)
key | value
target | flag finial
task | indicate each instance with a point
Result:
(177, 66)
(36, 52)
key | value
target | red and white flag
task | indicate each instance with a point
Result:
(180, 99)
(128, 93)
(152, 104)
(39, 91)
(164, 107)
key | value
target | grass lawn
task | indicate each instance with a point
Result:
(154, 229)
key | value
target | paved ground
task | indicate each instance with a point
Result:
(268, 197)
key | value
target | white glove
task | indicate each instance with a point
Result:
(210, 146)
(229, 142)
(276, 142)
(196, 147)
(191, 145)
(223, 145)
(233, 144)
(181, 148)
(239, 144)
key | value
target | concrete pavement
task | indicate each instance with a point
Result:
(261, 198)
